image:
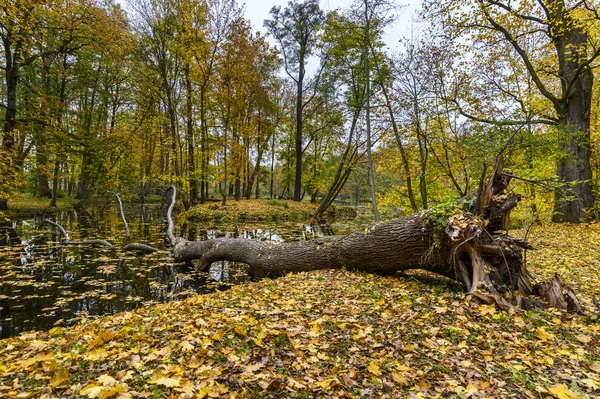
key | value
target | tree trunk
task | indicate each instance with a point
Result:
(403, 156)
(575, 203)
(190, 138)
(469, 249)
(298, 138)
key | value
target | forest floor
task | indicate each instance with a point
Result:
(330, 334)
(252, 210)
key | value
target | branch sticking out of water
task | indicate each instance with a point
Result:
(127, 233)
(131, 246)
(170, 228)
(67, 240)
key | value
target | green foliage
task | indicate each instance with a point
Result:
(438, 218)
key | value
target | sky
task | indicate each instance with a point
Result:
(258, 10)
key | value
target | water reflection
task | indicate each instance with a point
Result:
(43, 284)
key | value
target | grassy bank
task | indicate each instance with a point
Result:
(26, 204)
(252, 210)
(329, 334)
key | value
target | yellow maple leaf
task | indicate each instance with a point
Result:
(60, 378)
(92, 391)
(325, 383)
(107, 380)
(167, 382)
(561, 391)
(374, 368)
(218, 335)
(399, 379)
(239, 330)
(544, 335)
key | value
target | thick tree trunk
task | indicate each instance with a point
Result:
(574, 204)
(465, 245)
(375, 250)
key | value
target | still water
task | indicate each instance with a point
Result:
(45, 284)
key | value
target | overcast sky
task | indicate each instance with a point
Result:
(258, 10)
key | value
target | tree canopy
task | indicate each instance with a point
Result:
(94, 98)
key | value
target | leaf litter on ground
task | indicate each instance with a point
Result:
(328, 334)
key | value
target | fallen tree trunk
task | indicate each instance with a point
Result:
(463, 242)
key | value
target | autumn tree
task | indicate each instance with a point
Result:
(553, 42)
(245, 98)
(20, 24)
(296, 30)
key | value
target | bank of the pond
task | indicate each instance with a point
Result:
(252, 210)
(319, 334)
(25, 204)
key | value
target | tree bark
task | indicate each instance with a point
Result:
(190, 138)
(575, 203)
(298, 137)
(469, 248)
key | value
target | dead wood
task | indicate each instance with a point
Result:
(467, 246)
(128, 245)
(68, 241)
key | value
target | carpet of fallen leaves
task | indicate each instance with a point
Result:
(327, 334)
(572, 251)
(252, 210)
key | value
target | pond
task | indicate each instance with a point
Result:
(45, 284)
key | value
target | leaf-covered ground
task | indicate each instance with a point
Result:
(571, 250)
(252, 210)
(326, 334)
(21, 203)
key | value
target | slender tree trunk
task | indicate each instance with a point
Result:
(298, 138)
(8, 138)
(225, 188)
(404, 158)
(255, 171)
(344, 168)
(368, 114)
(203, 155)
(272, 166)
(190, 138)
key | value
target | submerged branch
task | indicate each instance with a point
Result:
(67, 240)
(128, 245)
(127, 233)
